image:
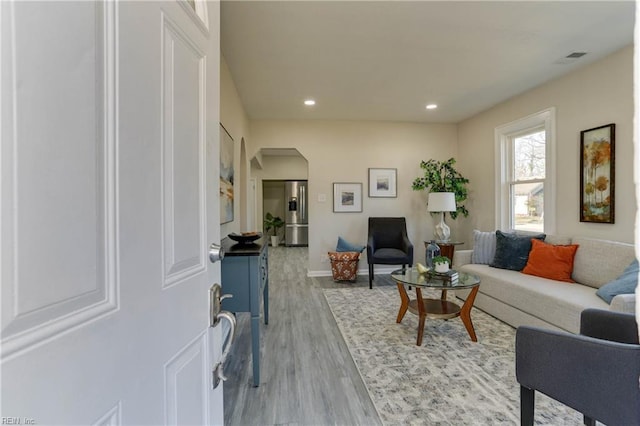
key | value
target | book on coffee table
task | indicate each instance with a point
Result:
(450, 275)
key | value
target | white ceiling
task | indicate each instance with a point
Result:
(385, 60)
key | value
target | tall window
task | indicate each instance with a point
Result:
(525, 198)
(527, 182)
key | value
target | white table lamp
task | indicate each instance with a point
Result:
(442, 202)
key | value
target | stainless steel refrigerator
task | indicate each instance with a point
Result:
(297, 215)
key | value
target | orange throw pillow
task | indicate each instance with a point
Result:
(549, 261)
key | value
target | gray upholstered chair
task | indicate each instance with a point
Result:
(595, 372)
(388, 243)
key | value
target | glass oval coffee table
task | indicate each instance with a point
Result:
(435, 308)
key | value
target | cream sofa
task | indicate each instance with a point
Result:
(521, 299)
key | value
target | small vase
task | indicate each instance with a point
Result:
(432, 251)
(274, 241)
(442, 267)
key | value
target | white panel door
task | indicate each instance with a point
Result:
(109, 200)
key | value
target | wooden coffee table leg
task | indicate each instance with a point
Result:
(404, 302)
(465, 313)
(422, 314)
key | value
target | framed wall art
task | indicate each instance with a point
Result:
(226, 176)
(597, 174)
(382, 183)
(347, 197)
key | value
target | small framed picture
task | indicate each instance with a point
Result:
(382, 183)
(597, 174)
(347, 197)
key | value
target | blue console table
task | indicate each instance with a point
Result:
(245, 275)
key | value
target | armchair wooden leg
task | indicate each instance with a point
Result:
(371, 275)
(527, 404)
(588, 421)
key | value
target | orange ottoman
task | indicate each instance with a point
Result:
(344, 265)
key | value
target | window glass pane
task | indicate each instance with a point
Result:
(528, 206)
(529, 156)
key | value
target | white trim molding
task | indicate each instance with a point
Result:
(546, 118)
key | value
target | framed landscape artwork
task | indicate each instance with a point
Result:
(597, 174)
(226, 176)
(347, 197)
(382, 182)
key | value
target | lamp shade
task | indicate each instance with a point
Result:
(441, 202)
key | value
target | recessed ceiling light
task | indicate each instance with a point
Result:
(309, 102)
(432, 106)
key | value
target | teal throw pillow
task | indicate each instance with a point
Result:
(512, 250)
(344, 245)
(624, 284)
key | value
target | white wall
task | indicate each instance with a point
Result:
(596, 95)
(235, 121)
(282, 168)
(342, 151)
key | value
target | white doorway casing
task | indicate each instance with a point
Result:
(251, 208)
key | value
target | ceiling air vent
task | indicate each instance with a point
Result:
(570, 58)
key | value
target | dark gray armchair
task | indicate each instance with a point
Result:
(596, 372)
(388, 243)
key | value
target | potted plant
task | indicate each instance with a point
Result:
(441, 264)
(275, 223)
(441, 176)
(447, 189)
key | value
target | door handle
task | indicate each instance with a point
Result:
(216, 315)
(215, 303)
(218, 371)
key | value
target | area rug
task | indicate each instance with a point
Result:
(449, 380)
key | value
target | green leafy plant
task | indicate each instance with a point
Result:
(441, 176)
(272, 222)
(440, 259)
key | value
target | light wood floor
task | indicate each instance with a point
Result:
(307, 374)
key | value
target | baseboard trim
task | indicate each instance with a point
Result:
(378, 271)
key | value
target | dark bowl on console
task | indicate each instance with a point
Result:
(247, 238)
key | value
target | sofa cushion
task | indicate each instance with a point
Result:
(391, 255)
(484, 247)
(558, 240)
(623, 303)
(512, 250)
(551, 261)
(343, 245)
(624, 284)
(552, 301)
(598, 261)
